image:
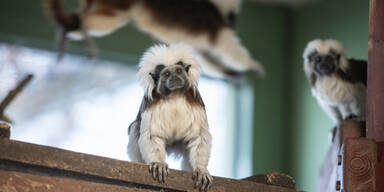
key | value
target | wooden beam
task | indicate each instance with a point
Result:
(111, 169)
(18, 181)
(375, 92)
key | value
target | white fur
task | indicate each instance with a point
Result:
(338, 98)
(226, 6)
(174, 119)
(167, 55)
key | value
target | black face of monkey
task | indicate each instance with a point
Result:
(171, 78)
(324, 64)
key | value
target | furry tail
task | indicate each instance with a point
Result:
(68, 22)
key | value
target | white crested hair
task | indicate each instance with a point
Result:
(168, 55)
(324, 47)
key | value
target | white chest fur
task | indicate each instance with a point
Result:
(334, 91)
(174, 119)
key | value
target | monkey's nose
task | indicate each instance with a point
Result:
(175, 82)
(326, 67)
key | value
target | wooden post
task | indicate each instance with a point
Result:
(375, 93)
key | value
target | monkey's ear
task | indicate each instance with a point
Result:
(311, 56)
(154, 76)
(187, 68)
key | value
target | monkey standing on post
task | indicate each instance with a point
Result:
(339, 84)
(206, 25)
(172, 117)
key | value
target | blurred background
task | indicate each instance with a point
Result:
(258, 126)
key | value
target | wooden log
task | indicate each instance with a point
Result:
(359, 157)
(12, 181)
(106, 168)
(375, 89)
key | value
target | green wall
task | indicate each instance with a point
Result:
(290, 131)
(261, 29)
(346, 21)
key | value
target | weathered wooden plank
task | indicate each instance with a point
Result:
(11, 181)
(114, 169)
(375, 88)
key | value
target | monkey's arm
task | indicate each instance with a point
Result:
(199, 149)
(153, 150)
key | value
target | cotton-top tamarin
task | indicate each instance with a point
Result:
(206, 25)
(172, 117)
(338, 84)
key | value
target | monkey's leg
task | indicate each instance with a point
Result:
(233, 53)
(199, 150)
(133, 149)
(153, 152)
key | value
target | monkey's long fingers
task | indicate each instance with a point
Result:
(199, 179)
(203, 180)
(164, 172)
(159, 171)
(153, 170)
(207, 182)
(160, 174)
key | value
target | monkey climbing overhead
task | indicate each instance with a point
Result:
(339, 84)
(206, 25)
(172, 117)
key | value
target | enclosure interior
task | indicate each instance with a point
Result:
(270, 124)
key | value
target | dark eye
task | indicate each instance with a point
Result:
(166, 74)
(317, 59)
(179, 71)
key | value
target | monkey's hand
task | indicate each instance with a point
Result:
(159, 171)
(203, 179)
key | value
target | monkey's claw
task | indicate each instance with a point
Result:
(203, 179)
(159, 171)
